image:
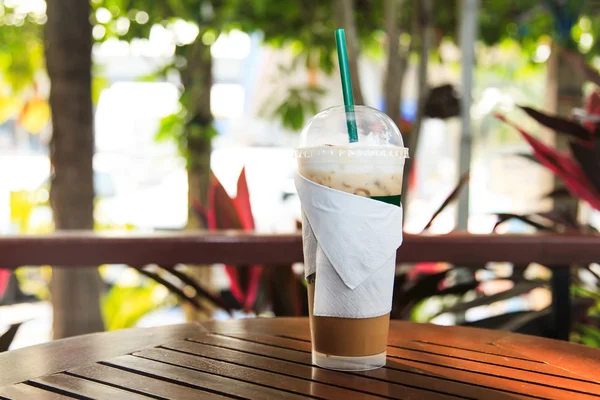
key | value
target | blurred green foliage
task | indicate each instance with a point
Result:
(299, 102)
(305, 28)
(21, 58)
(123, 305)
(21, 47)
(587, 332)
(132, 296)
(22, 66)
(179, 129)
(203, 21)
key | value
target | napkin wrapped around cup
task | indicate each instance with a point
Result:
(350, 243)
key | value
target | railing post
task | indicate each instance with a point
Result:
(561, 302)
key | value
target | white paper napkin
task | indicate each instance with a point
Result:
(350, 242)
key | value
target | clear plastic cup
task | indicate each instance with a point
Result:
(371, 167)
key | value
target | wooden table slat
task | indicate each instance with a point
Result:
(271, 359)
(494, 359)
(486, 358)
(82, 387)
(499, 378)
(413, 383)
(583, 361)
(23, 364)
(476, 340)
(22, 391)
(200, 380)
(475, 377)
(477, 347)
(494, 370)
(400, 390)
(141, 383)
(251, 375)
(494, 374)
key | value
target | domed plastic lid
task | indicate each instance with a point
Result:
(330, 128)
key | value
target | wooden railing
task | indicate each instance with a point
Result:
(73, 249)
(77, 249)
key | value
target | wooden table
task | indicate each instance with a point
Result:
(270, 359)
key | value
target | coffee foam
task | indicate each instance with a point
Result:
(373, 183)
(373, 172)
(378, 154)
(352, 158)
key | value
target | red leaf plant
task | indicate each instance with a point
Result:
(4, 277)
(592, 109)
(576, 177)
(225, 212)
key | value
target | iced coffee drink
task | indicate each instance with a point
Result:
(374, 177)
(371, 168)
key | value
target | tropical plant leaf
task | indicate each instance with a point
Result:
(569, 170)
(517, 290)
(194, 301)
(557, 193)
(200, 291)
(221, 210)
(243, 207)
(426, 286)
(171, 127)
(254, 273)
(7, 337)
(529, 157)
(222, 215)
(451, 197)
(589, 160)
(503, 217)
(529, 322)
(593, 273)
(4, 278)
(592, 109)
(123, 306)
(461, 288)
(590, 229)
(561, 216)
(560, 125)
(539, 323)
(241, 202)
(589, 336)
(226, 213)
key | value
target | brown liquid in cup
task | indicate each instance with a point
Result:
(350, 337)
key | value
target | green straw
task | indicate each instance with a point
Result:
(340, 41)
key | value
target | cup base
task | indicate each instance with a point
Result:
(341, 363)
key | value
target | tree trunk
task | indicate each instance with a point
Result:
(469, 22)
(344, 18)
(197, 81)
(424, 15)
(397, 61)
(68, 41)
(563, 93)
